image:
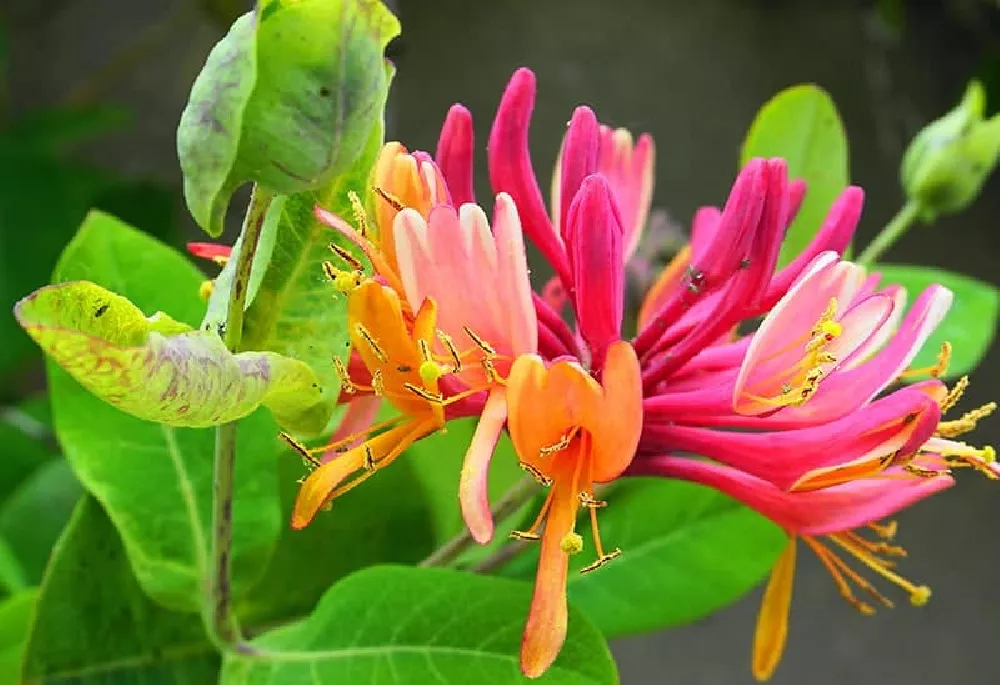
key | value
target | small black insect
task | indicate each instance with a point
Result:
(101, 310)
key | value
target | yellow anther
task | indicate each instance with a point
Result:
(921, 472)
(346, 384)
(205, 289)
(920, 596)
(563, 443)
(571, 543)
(345, 255)
(955, 394)
(936, 370)
(480, 343)
(886, 531)
(601, 561)
(391, 199)
(525, 535)
(360, 215)
(372, 343)
(221, 259)
(587, 500)
(343, 281)
(310, 461)
(535, 473)
(369, 458)
(423, 393)
(831, 329)
(378, 383)
(449, 344)
(967, 422)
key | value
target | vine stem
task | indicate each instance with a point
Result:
(518, 495)
(893, 230)
(220, 622)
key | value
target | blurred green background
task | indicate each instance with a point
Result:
(90, 95)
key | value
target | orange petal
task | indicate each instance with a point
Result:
(772, 621)
(472, 487)
(533, 420)
(545, 630)
(617, 423)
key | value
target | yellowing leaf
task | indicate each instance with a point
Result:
(156, 368)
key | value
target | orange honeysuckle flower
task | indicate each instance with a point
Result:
(570, 432)
(397, 353)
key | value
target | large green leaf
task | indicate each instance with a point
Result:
(33, 517)
(294, 310)
(94, 626)
(970, 325)
(16, 613)
(801, 124)
(384, 521)
(687, 551)
(287, 100)
(156, 368)
(155, 481)
(412, 626)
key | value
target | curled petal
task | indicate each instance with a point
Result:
(577, 160)
(472, 493)
(594, 242)
(454, 154)
(511, 171)
(816, 512)
(772, 621)
(629, 169)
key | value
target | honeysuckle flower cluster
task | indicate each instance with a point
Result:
(805, 419)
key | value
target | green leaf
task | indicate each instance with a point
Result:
(94, 626)
(384, 521)
(687, 551)
(12, 576)
(16, 613)
(46, 499)
(801, 124)
(155, 481)
(412, 626)
(26, 442)
(156, 368)
(292, 308)
(286, 99)
(970, 325)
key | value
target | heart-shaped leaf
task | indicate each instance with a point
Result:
(801, 124)
(294, 311)
(687, 551)
(286, 99)
(411, 626)
(94, 626)
(155, 481)
(156, 368)
(970, 325)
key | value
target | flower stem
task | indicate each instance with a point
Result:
(517, 496)
(899, 224)
(220, 623)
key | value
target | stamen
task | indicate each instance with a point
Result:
(360, 215)
(955, 394)
(968, 421)
(346, 255)
(830, 562)
(535, 473)
(587, 500)
(346, 384)
(532, 532)
(919, 594)
(563, 443)
(343, 281)
(601, 561)
(369, 458)
(922, 472)
(310, 461)
(432, 397)
(525, 535)
(391, 199)
(937, 369)
(480, 343)
(378, 383)
(875, 547)
(886, 531)
(374, 346)
(490, 371)
(205, 289)
(449, 344)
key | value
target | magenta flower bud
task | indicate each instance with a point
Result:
(454, 154)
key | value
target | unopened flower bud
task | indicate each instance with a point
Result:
(950, 159)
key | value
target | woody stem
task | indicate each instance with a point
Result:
(220, 623)
(517, 496)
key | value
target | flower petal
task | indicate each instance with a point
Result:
(454, 155)
(772, 621)
(472, 492)
(577, 160)
(617, 425)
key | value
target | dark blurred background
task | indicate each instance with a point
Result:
(91, 91)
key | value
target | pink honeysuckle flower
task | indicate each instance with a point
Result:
(480, 281)
(836, 513)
